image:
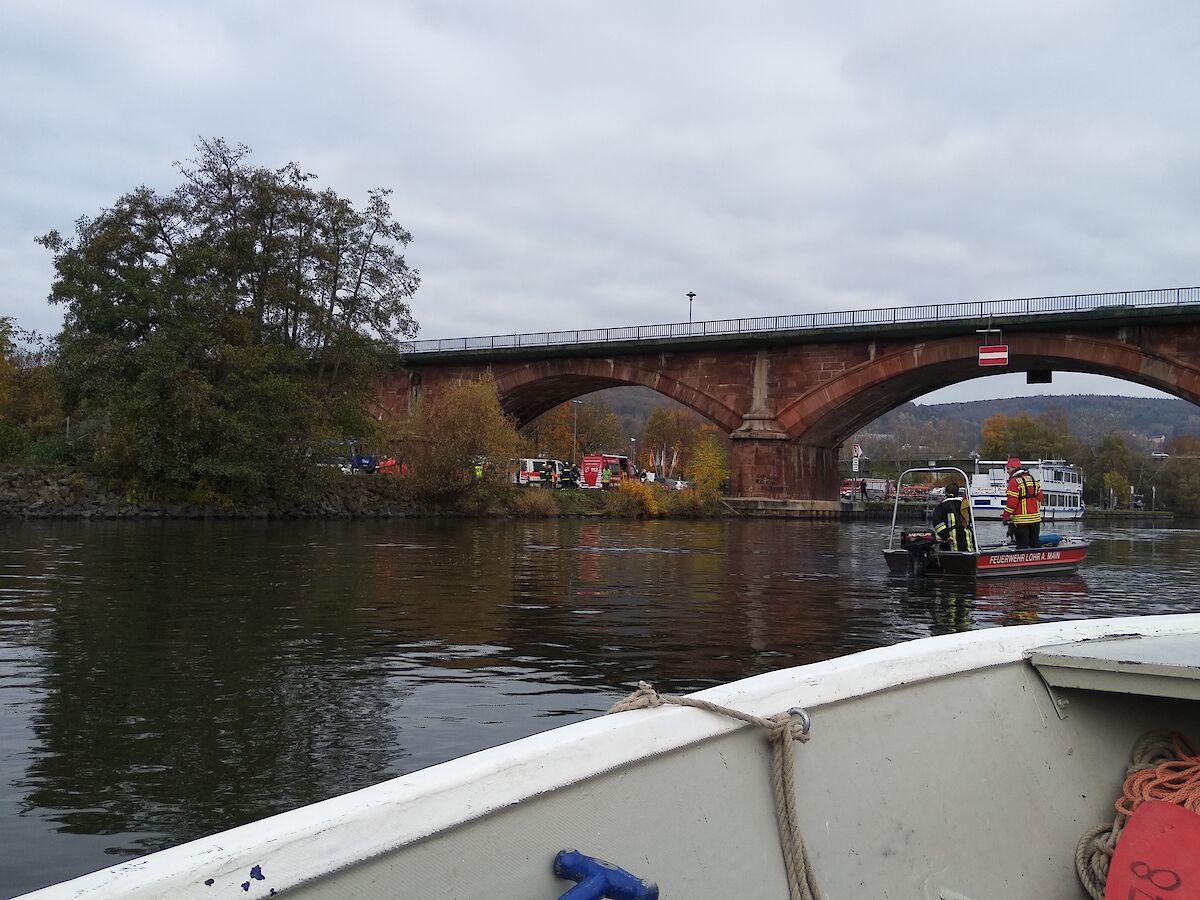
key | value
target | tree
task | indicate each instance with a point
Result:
(1046, 436)
(30, 403)
(1111, 457)
(452, 431)
(215, 334)
(673, 436)
(709, 466)
(1117, 489)
(591, 426)
(8, 371)
(1179, 483)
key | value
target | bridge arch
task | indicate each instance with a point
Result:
(529, 391)
(829, 414)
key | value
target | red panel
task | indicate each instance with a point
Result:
(1158, 855)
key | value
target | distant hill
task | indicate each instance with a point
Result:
(633, 405)
(1090, 416)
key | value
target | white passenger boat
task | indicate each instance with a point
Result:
(1062, 486)
(961, 767)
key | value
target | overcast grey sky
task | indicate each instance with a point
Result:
(567, 165)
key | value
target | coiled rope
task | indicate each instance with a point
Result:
(782, 730)
(1163, 766)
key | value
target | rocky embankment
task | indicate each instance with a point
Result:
(68, 494)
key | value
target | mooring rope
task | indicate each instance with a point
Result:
(782, 730)
(1163, 766)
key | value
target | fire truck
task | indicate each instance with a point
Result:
(540, 472)
(594, 466)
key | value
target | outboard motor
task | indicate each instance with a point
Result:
(920, 543)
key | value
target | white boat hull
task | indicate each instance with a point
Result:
(991, 512)
(936, 768)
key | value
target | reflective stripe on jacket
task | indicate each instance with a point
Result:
(1024, 503)
(952, 525)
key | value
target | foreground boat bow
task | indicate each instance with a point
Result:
(943, 767)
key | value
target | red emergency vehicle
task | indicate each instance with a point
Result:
(594, 465)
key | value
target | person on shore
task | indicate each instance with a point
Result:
(1023, 508)
(950, 522)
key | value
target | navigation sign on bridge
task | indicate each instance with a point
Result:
(994, 355)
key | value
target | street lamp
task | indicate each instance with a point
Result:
(632, 456)
(691, 295)
(575, 430)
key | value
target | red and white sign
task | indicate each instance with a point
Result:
(995, 355)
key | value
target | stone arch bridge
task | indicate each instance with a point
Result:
(790, 390)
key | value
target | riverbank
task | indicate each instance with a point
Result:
(62, 493)
(58, 493)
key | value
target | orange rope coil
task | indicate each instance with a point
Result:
(1176, 780)
(1163, 766)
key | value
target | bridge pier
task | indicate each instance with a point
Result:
(778, 469)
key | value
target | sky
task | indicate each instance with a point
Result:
(567, 165)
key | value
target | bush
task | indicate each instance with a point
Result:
(55, 450)
(688, 504)
(479, 498)
(203, 494)
(535, 504)
(632, 500)
(10, 439)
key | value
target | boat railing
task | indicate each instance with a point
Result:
(932, 470)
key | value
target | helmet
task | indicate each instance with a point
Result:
(1013, 463)
(952, 490)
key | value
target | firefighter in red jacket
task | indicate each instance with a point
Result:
(1023, 508)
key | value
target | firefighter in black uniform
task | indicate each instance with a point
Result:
(951, 524)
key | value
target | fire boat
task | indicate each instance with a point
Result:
(916, 551)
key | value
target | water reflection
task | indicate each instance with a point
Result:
(165, 680)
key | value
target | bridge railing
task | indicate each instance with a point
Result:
(975, 310)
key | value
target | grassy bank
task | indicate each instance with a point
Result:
(56, 492)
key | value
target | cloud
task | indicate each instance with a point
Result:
(567, 166)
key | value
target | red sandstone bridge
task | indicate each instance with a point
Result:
(790, 390)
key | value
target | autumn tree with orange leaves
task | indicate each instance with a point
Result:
(570, 431)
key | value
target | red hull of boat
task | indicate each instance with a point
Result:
(991, 562)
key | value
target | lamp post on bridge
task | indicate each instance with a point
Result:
(575, 430)
(691, 295)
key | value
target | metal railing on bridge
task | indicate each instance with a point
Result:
(976, 310)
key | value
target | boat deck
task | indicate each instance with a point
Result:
(1162, 666)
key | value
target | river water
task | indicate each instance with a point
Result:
(160, 681)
